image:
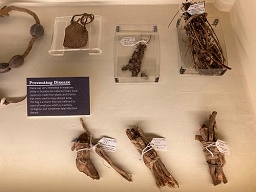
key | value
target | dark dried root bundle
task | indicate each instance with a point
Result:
(135, 61)
(202, 41)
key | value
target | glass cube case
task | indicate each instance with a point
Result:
(190, 62)
(136, 54)
(93, 46)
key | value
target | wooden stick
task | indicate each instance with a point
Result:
(212, 122)
(151, 159)
(100, 151)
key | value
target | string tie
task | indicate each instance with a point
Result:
(145, 150)
(88, 148)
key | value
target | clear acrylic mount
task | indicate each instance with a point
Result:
(150, 67)
(93, 46)
(187, 66)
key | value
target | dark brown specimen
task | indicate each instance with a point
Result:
(76, 34)
(202, 41)
(135, 62)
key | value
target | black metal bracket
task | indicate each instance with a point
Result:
(215, 22)
(182, 71)
(155, 28)
(117, 28)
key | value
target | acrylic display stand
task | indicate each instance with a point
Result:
(123, 53)
(93, 46)
(185, 53)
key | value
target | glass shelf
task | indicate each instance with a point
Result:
(93, 46)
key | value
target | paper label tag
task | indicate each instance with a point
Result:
(223, 147)
(159, 144)
(196, 8)
(108, 144)
(128, 41)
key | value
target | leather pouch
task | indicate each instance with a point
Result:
(76, 34)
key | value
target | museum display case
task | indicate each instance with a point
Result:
(165, 96)
(136, 53)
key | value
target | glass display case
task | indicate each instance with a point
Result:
(93, 46)
(136, 54)
(188, 63)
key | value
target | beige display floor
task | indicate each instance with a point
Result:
(35, 152)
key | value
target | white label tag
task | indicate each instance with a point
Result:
(128, 41)
(108, 144)
(196, 8)
(159, 144)
(223, 147)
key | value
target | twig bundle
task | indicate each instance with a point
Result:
(151, 159)
(214, 157)
(83, 145)
(202, 41)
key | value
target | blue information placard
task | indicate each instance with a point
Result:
(58, 96)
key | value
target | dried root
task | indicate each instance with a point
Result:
(151, 159)
(83, 145)
(214, 158)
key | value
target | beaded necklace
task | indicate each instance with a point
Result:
(36, 32)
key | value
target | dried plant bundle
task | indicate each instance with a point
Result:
(151, 159)
(83, 145)
(214, 157)
(202, 41)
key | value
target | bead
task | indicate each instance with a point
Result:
(37, 30)
(4, 67)
(16, 61)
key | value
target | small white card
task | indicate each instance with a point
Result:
(108, 144)
(128, 41)
(223, 147)
(196, 8)
(159, 144)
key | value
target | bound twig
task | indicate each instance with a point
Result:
(214, 158)
(151, 159)
(83, 145)
(83, 161)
